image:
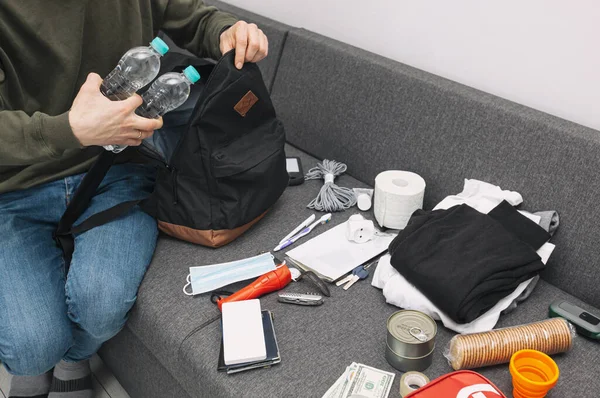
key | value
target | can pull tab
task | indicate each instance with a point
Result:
(418, 334)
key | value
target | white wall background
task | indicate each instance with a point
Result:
(541, 53)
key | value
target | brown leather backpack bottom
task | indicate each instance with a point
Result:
(210, 238)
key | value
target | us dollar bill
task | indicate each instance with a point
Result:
(338, 388)
(368, 382)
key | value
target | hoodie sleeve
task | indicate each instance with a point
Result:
(29, 139)
(194, 26)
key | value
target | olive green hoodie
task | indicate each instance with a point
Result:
(47, 49)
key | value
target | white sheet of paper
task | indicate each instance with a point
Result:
(243, 334)
(331, 255)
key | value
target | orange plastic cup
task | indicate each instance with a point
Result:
(534, 374)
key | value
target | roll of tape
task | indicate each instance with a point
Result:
(397, 195)
(412, 379)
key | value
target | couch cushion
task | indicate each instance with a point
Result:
(163, 317)
(137, 369)
(182, 333)
(317, 343)
(275, 31)
(375, 114)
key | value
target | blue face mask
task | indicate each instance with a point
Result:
(210, 277)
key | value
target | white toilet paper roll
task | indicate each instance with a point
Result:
(397, 195)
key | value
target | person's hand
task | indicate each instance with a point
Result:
(96, 120)
(250, 43)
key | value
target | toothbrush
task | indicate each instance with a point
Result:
(323, 220)
(305, 223)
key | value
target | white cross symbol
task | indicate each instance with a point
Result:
(476, 391)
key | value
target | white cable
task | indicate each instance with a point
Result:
(331, 197)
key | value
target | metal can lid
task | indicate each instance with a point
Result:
(411, 327)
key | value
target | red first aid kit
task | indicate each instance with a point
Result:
(461, 384)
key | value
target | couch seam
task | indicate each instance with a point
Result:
(190, 334)
(272, 82)
(158, 360)
(197, 329)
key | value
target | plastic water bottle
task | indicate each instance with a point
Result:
(167, 93)
(138, 67)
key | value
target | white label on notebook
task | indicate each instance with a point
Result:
(243, 334)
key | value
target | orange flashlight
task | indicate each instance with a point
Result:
(267, 283)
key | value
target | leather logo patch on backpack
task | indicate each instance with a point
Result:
(246, 103)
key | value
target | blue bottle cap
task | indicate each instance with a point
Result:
(191, 73)
(159, 45)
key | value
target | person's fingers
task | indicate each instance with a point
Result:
(135, 122)
(131, 104)
(139, 134)
(141, 123)
(226, 43)
(266, 45)
(264, 48)
(254, 42)
(93, 80)
(241, 43)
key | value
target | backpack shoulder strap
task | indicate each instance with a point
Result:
(63, 236)
(104, 217)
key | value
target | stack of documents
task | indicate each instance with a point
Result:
(248, 337)
(363, 381)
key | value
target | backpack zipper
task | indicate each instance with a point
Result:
(150, 153)
(174, 184)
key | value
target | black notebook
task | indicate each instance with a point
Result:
(273, 356)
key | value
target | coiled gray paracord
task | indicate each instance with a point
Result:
(331, 197)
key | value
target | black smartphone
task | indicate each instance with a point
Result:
(294, 169)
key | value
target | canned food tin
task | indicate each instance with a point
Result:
(405, 364)
(410, 340)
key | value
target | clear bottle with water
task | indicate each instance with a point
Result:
(138, 67)
(167, 93)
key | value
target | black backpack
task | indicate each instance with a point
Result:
(218, 177)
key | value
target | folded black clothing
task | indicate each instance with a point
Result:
(465, 261)
(521, 226)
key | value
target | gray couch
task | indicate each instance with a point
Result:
(342, 103)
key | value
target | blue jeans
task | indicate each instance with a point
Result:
(47, 315)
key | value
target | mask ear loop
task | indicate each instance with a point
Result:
(189, 283)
